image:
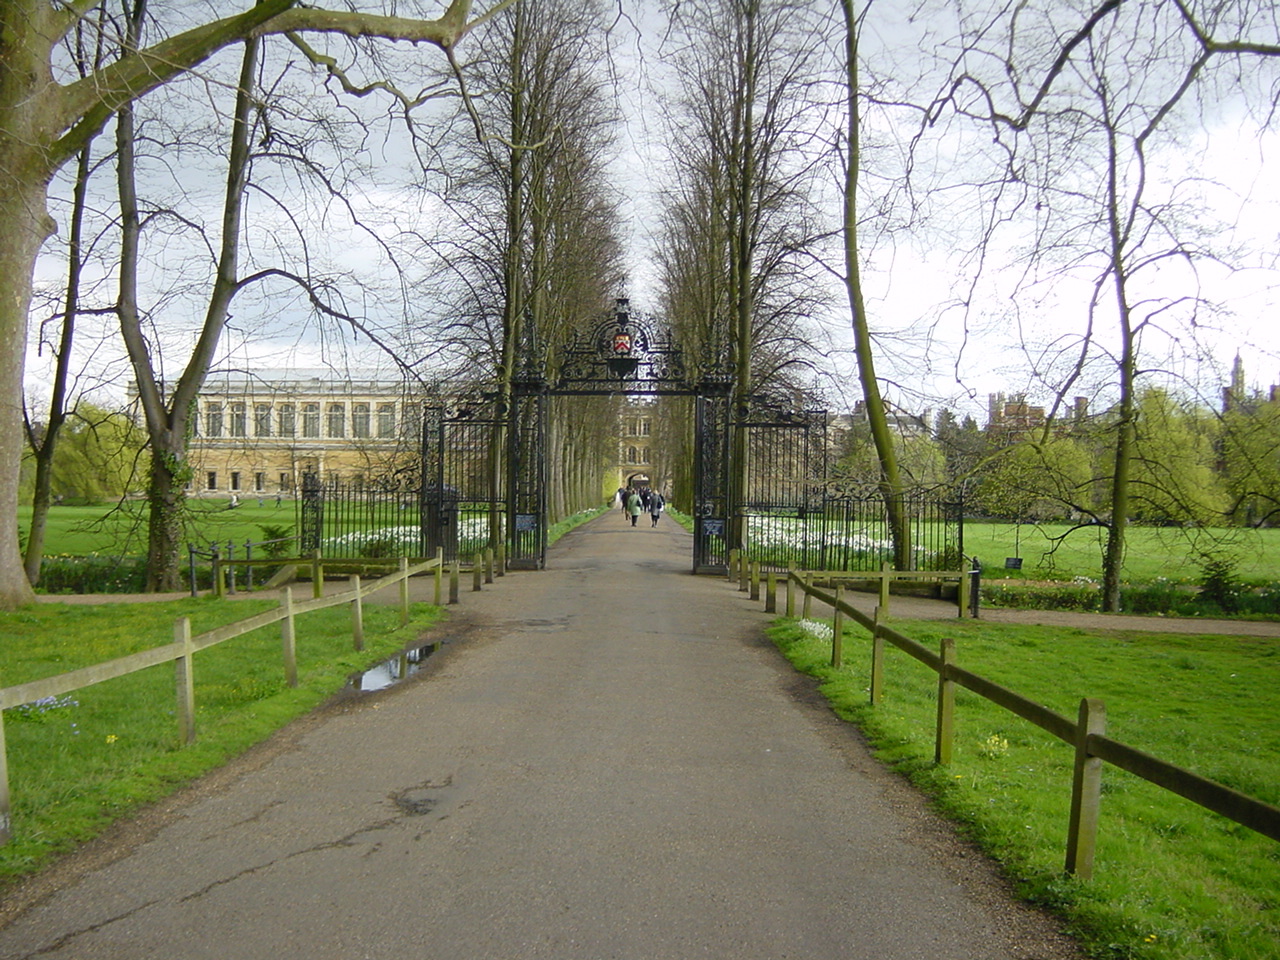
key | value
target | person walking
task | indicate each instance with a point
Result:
(655, 507)
(622, 499)
(633, 507)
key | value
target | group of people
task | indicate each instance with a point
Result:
(637, 501)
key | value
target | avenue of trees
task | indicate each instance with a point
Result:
(1049, 155)
(1192, 466)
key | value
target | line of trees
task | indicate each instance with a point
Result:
(1057, 143)
(1192, 466)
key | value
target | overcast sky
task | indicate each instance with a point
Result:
(933, 352)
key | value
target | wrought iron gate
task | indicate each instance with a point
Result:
(711, 515)
(783, 484)
(527, 464)
(461, 505)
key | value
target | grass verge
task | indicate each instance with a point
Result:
(1172, 881)
(92, 757)
(561, 527)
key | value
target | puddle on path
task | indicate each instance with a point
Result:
(398, 668)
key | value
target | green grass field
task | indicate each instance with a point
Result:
(1152, 552)
(1172, 881)
(122, 530)
(97, 754)
(81, 531)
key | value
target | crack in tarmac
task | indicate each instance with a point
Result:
(74, 935)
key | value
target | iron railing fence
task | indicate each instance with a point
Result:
(851, 532)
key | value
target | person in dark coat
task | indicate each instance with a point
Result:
(633, 507)
(655, 506)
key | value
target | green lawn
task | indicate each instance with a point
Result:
(81, 531)
(1152, 552)
(1172, 882)
(95, 755)
(122, 530)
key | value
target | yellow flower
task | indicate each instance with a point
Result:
(112, 738)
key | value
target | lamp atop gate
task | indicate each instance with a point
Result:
(621, 344)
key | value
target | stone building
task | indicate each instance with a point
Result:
(635, 455)
(257, 434)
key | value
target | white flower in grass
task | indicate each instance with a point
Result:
(816, 629)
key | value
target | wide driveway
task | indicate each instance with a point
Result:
(606, 760)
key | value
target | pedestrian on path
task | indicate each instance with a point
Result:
(655, 506)
(633, 507)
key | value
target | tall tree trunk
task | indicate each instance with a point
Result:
(167, 417)
(25, 172)
(45, 446)
(742, 279)
(877, 419)
(1126, 429)
(26, 224)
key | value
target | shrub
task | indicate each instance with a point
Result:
(381, 547)
(1077, 595)
(1219, 584)
(279, 539)
(1161, 596)
(93, 574)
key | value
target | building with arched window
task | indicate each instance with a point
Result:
(257, 434)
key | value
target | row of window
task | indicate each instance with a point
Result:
(637, 454)
(285, 482)
(291, 420)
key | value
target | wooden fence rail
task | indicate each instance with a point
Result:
(1087, 735)
(747, 574)
(181, 653)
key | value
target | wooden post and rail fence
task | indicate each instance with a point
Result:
(1086, 734)
(181, 652)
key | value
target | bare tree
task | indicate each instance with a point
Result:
(529, 252)
(740, 220)
(43, 437)
(45, 120)
(1091, 111)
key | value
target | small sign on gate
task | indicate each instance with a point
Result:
(526, 522)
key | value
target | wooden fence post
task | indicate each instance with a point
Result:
(317, 575)
(755, 580)
(357, 615)
(184, 677)
(791, 596)
(837, 630)
(439, 568)
(488, 564)
(744, 573)
(1086, 791)
(885, 570)
(6, 814)
(404, 591)
(477, 574)
(806, 605)
(771, 593)
(877, 658)
(946, 705)
(289, 639)
(733, 565)
(455, 570)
